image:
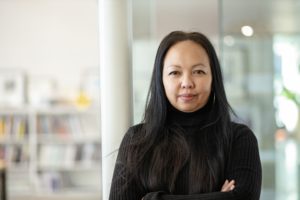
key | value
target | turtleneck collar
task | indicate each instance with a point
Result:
(196, 118)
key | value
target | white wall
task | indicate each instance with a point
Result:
(50, 38)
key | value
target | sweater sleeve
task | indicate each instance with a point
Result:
(244, 167)
(124, 186)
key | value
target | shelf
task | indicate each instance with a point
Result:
(61, 196)
(13, 141)
(74, 168)
(43, 145)
(61, 110)
(22, 168)
(52, 138)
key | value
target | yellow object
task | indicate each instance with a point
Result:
(83, 100)
(2, 127)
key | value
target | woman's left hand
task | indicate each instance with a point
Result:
(228, 186)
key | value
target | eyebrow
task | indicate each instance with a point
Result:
(196, 65)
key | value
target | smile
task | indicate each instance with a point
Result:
(186, 97)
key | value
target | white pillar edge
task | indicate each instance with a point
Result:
(115, 81)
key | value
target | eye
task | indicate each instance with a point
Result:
(174, 73)
(199, 71)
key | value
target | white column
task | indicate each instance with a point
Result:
(115, 81)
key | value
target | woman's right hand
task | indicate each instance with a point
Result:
(228, 186)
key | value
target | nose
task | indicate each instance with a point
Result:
(187, 82)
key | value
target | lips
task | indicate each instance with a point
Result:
(186, 97)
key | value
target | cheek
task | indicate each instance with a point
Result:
(170, 89)
(205, 86)
(208, 88)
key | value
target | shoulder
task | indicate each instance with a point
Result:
(128, 140)
(131, 134)
(238, 127)
(242, 132)
(134, 131)
(136, 128)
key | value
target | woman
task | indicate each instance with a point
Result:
(187, 146)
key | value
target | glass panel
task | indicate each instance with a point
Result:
(261, 72)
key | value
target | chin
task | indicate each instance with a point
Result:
(187, 110)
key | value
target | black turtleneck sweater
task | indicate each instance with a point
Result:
(243, 166)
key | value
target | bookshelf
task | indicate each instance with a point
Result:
(51, 152)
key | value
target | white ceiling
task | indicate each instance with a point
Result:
(265, 16)
(213, 16)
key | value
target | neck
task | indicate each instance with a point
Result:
(196, 118)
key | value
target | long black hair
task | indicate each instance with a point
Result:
(159, 151)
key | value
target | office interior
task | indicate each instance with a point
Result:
(50, 121)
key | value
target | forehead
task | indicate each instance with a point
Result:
(186, 46)
(188, 52)
(188, 42)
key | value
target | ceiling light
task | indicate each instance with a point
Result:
(247, 31)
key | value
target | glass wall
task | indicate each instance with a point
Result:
(258, 43)
(260, 58)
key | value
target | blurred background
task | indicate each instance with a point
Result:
(50, 138)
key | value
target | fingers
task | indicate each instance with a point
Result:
(228, 186)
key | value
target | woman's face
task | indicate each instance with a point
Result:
(187, 76)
